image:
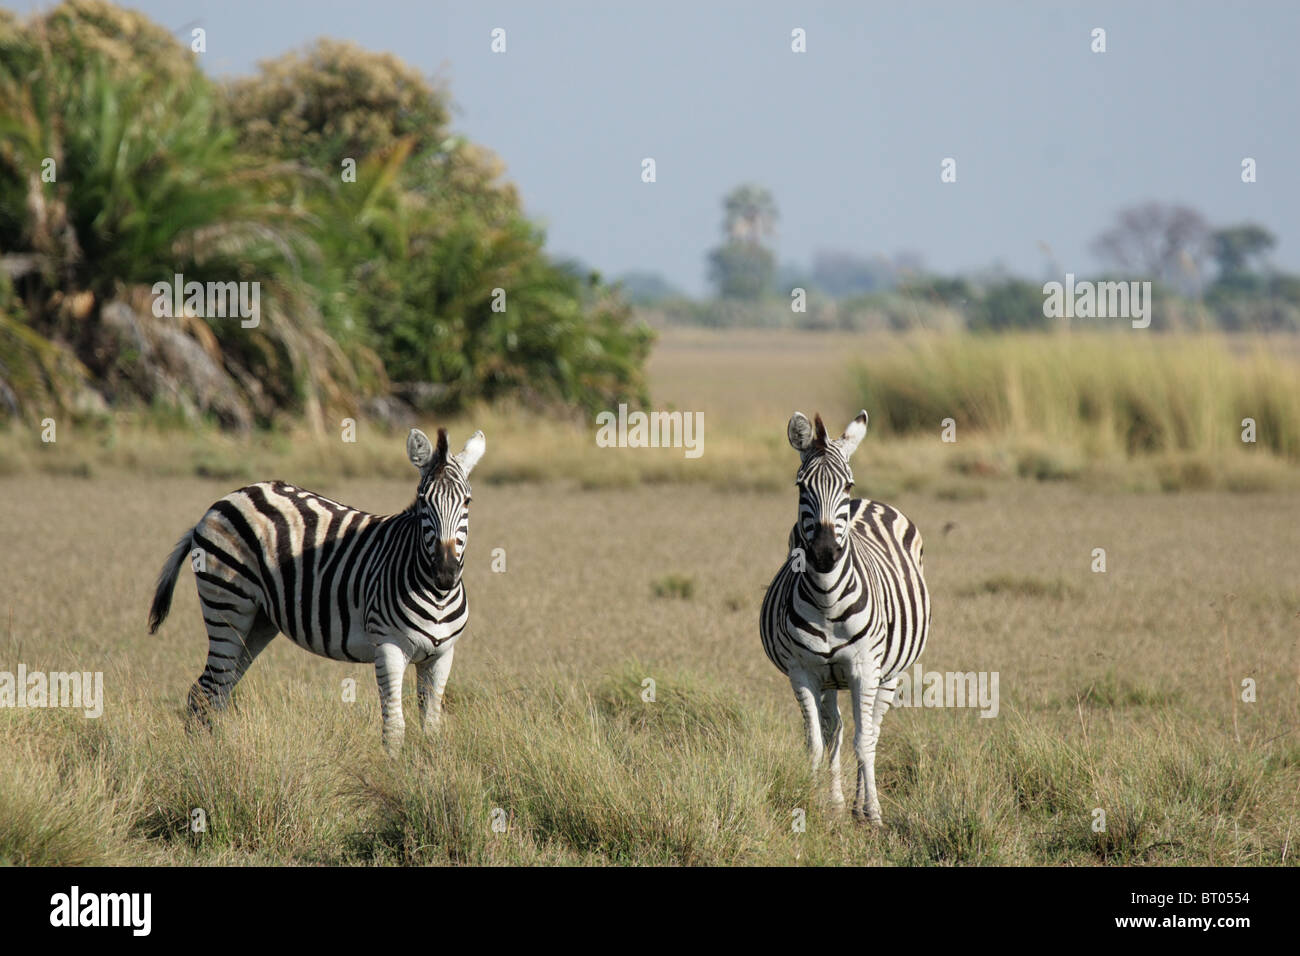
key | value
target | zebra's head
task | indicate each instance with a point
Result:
(442, 500)
(825, 482)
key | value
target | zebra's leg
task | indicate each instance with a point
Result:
(833, 735)
(430, 682)
(864, 687)
(237, 633)
(884, 700)
(390, 667)
(805, 692)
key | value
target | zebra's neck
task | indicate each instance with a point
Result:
(825, 590)
(414, 559)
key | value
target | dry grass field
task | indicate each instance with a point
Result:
(1119, 691)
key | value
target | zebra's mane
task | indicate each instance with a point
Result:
(441, 467)
(817, 456)
(446, 469)
(819, 433)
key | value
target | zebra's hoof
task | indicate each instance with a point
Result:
(872, 820)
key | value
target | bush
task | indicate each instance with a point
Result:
(421, 271)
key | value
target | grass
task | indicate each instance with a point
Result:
(611, 703)
(1138, 413)
(1025, 586)
(552, 752)
(1064, 401)
(674, 586)
(549, 771)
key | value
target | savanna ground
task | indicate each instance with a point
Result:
(1119, 691)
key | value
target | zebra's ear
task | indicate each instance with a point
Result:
(472, 452)
(799, 431)
(420, 450)
(856, 431)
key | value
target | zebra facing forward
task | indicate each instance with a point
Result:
(849, 609)
(342, 583)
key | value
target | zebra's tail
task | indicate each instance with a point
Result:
(162, 598)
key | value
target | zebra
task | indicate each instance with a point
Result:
(849, 609)
(342, 583)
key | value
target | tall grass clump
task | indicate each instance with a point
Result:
(1116, 395)
(551, 770)
(51, 820)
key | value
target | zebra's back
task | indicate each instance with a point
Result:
(304, 559)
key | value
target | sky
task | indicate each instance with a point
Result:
(1050, 138)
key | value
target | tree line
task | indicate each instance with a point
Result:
(1204, 277)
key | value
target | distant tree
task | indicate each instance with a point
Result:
(1254, 302)
(1163, 242)
(742, 270)
(1234, 246)
(750, 214)
(742, 267)
(791, 275)
(842, 274)
(1008, 304)
(908, 263)
(939, 290)
(577, 267)
(647, 288)
(1244, 297)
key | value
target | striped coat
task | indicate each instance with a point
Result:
(273, 558)
(849, 609)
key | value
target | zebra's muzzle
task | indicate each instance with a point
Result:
(446, 566)
(823, 549)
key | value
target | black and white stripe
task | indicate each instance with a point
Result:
(849, 609)
(273, 558)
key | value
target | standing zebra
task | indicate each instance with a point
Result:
(342, 583)
(849, 609)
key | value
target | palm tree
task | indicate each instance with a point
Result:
(750, 214)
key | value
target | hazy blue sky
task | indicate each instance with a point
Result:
(1050, 139)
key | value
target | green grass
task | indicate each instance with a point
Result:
(674, 586)
(554, 771)
(1066, 401)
